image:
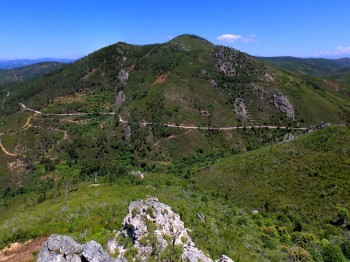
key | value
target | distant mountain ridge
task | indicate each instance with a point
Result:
(30, 71)
(10, 64)
(312, 66)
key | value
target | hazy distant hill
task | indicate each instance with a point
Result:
(26, 72)
(9, 64)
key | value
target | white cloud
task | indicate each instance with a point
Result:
(230, 38)
(170, 36)
(340, 50)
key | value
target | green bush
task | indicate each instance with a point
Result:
(346, 249)
(333, 253)
(268, 241)
(172, 253)
(271, 231)
(300, 254)
(306, 240)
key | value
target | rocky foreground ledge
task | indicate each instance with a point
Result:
(152, 228)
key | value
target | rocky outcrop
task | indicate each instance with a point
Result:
(121, 97)
(239, 108)
(288, 137)
(234, 63)
(64, 248)
(283, 104)
(321, 125)
(127, 131)
(179, 46)
(123, 76)
(138, 174)
(224, 258)
(152, 227)
(152, 220)
(213, 83)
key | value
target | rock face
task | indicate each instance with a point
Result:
(123, 76)
(121, 97)
(240, 108)
(64, 248)
(233, 63)
(283, 104)
(150, 219)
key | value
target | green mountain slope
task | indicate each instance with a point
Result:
(23, 73)
(341, 76)
(309, 66)
(196, 98)
(307, 177)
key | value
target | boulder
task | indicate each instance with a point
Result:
(64, 248)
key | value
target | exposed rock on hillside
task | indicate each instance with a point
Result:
(213, 83)
(123, 76)
(283, 104)
(240, 108)
(64, 248)
(234, 63)
(225, 61)
(179, 46)
(152, 227)
(121, 97)
(317, 127)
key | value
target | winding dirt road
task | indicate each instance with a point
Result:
(144, 124)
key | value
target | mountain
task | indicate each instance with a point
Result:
(10, 64)
(311, 66)
(190, 96)
(26, 72)
(206, 129)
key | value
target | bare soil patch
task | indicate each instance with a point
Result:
(160, 79)
(18, 252)
(335, 86)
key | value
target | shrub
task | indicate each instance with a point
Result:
(172, 253)
(306, 240)
(271, 231)
(268, 241)
(333, 253)
(300, 254)
(346, 249)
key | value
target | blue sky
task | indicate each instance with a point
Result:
(74, 28)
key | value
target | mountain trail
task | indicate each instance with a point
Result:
(144, 124)
(5, 150)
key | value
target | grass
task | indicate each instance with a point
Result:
(93, 212)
